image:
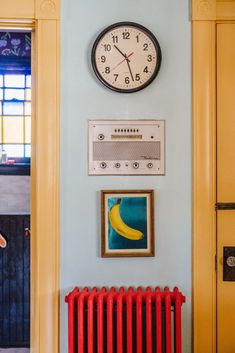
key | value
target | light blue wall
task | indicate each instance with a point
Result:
(83, 98)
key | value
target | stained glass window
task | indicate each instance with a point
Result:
(15, 118)
(15, 95)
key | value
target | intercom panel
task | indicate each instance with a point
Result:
(126, 147)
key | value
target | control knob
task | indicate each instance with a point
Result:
(101, 137)
(103, 165)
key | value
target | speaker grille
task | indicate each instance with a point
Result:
(111, 151)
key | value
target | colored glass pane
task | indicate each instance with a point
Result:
(28, 94)
(14, 94)
(27, 108)
(15, 81)
(13, 131)
(1, 80)
(28, 81)
(27, 129)
(28, 151)
(13, 108)
(14, 151)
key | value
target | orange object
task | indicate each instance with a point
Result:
(3, 242)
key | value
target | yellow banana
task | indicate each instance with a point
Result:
(120, 227)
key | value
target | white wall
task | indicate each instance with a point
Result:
(83, 98)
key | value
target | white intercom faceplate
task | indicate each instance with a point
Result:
(126, 147)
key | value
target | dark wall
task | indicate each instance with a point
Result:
(15, 282)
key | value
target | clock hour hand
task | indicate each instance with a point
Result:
(121, 52)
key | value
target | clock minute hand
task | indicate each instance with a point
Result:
(128, 64)
(120, 52)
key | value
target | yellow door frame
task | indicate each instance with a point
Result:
(43, 16)
(205, 16)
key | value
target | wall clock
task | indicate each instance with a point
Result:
(126, 57)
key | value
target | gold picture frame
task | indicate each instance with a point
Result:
(127, 223)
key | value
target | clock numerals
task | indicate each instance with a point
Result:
(103, 59)
(137, 77)
(126, 35)
(107, 70)
(145, 47)
(127, 80)
(107, 47)
(146, 69)
(115, 39)
(116, 77)
(137, 38)
(150, 58)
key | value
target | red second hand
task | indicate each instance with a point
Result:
(121, 61)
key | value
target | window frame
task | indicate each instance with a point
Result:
(44, 17)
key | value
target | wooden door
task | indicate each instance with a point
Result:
(226, 187)
(15, 282)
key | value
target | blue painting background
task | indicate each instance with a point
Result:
(133, 211)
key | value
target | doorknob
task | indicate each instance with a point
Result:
(229, 263)
(27, 232)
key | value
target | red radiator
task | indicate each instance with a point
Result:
(132, 321)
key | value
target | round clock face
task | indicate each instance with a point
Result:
(126, 57)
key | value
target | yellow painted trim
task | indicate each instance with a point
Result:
(45, 190)
(11, 9)
(10, 25)
(226, 10)
(30, 9)
(204, 187)
(203, 10)
(47, 9)
(212, 10)
(43, 16)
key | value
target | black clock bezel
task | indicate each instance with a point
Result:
(149, 34)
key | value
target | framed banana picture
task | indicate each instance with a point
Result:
(127, 223)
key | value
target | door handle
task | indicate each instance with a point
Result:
(225, 206)
(27, 232)
(229, 263)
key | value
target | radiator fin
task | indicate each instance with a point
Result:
(158, 331)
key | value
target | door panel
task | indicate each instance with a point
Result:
(225, 181)
(226, 112)
(15, 282)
